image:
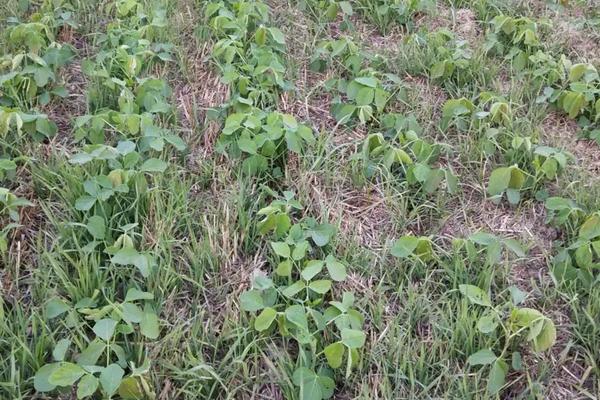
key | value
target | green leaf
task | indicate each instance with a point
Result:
(96, 227)
(84, 203)
(367, 81)
(353, 338)
(87, 386)
(482, 357)
(293, 289)
(405, 246)
(334, 353)
(132, 313)
(277, 35)
(284, 268)
(65, 374)
(282, 249)
(92, 353)
(61, 349)
(130, 256)
(365, 96)
(41, 379)
(134, 294)
(313, 267)
(546, 337)
(149, 326)
(153, 165)
(321, 234)
(573, 103)
(247, 144)
(499, 181)
(105, 328)
(265, 319)
(584, 256)
(497, 376)
(300, 250)
(475, 295)
(110, 378)
(313, 386)
(129, 389)
(337, 270)
(56, 307)
(487, 323)
(296, 314)
(251, 300)
(590, 229)
(321, 286)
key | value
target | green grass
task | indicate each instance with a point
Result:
(197, 222)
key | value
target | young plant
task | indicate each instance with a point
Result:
(405, 156)
(361, 98)
(10, 206)
(343, 52)
(515, 325)
(385, 13)
(516, 38)
(490, 111)
(578, 263)
(263, 139)
(99, 365)
(509, 181)
(297, 301)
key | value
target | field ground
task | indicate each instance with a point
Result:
(300, 199)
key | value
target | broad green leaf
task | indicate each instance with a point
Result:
(321, 286)
(251, 300)
(300, 250)
(365, 96)
(149, 326)
(405, 246)
(61, 349)
(84, 203)
(92, 353)
(65, 374)
(525, 317)
(87, 386)
(110, 378)
(337, 270)
(153, 165)
(334, 353)
(41, 379)
(475, 295)
(296, 314)
(277, 35)
(134, 294)
(130, 256)
(590, 229)
(284, 268)
(293, 289)
(353, 338)
(130, 389)
(265, 319)
(56, 307)
(546, 337)
(312, 268)
(499, 181)
(96, 227)
(282, 249)
(482, 357)
(321, 234)
(497, 376)
(105, 328)
(367, 81)
(487, 323)
(132, 313)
